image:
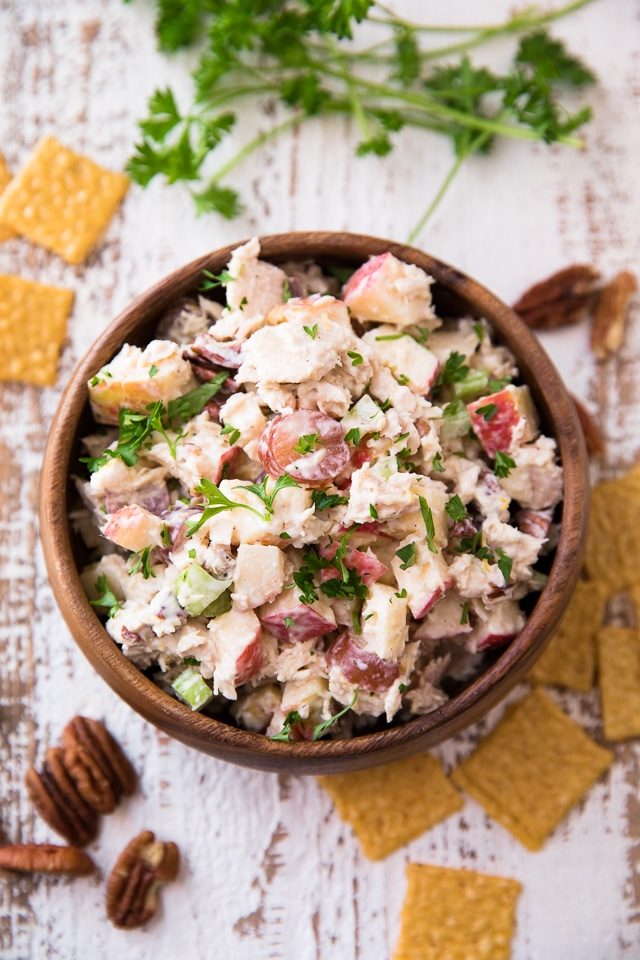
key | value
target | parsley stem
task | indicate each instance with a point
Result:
(520, 21)
(476, 143)
(254, 145)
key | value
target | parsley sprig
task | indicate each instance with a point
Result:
(293, 719)
(297, 52)
(218, 502)
(135, 428)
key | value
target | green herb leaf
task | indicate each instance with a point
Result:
(192, 403)
(311, 331)
(163, 115)
(479, 331)
(464, 614)
(321, 728)
(373, 512)
(454, 370)
(291, 720)
(106, 597)
(307, 443)
(505, 564)
(456, 508)
(153, 370)
(326, 501)
(214, 280)
(427, 516)
(488, 411)
(353, 436)
(503, 464)
(436, 463)
(142, 564)
(232, 433)
(356, 358)
(407, 555)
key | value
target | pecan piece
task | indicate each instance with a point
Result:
(102, 756)
(560, 299)
(55, 797)
(45, 858)
(591, 429)
(132, 887)
(610, 317)
(91, 783)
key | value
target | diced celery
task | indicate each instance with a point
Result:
(474, 385)
(455, 420)
(365, 415)
(191, 688)
(385, 467)
(219, 606)
(196, 589)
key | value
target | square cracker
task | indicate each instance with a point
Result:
(33, 325)
(619, 663)
(532, 769)
(569, 659)
(62, 200)
(456, 915)
(613, 547)
(5, 177)
(390, 805)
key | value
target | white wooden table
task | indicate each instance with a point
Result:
(269, 870)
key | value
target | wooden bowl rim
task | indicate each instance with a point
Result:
(234, 743)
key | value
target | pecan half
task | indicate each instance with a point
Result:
(45, 858)
(591, 429)
(610, 317)
(55, 797)
(132, 887)
(91, 783)
(102, 760)
(560, 299)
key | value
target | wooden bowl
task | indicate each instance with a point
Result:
(454, 294)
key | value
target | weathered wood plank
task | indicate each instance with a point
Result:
(270, 872)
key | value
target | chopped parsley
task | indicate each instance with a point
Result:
(153, 370)
(454, 370)
(373, 512)
(407, 555)
(192, 554)
(427, 516)
(353, 436)
(401, 594)
(307, 443)
(217, 502)
(503, 465)
(286, 290)
(260, 490)
(213, 280)
(288, 622)
(321, 728)
(291, 721)
(232, 433)
(402, 687)
(464, 613)
(479, 331)
(392, 336)
(347, 585)
(488, 411)
(402, 379)
(325, 501)
(106, 597)
(311, 331)
(436, 463)
(285, 536)
(165, 536)
(356, 358)
(142, 564)
(456, 509)
(505, 564)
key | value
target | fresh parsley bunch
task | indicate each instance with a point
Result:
(305, 55)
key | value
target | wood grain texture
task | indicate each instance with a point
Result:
(269, 870)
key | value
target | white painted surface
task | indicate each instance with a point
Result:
(269, 871)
